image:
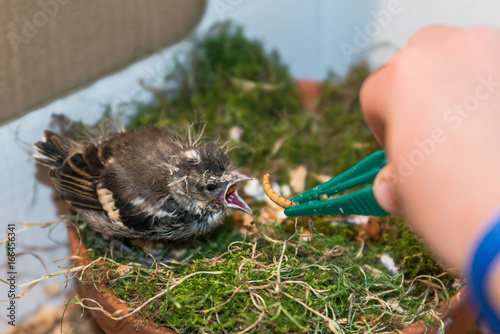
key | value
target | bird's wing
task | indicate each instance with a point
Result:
(77, 177)
(87, 185)
(131, 186)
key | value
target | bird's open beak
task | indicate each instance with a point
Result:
(233, 200)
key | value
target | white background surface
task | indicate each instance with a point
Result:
(308, 35)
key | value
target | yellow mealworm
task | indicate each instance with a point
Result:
(273, 195)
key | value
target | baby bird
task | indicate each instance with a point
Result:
(145, 183)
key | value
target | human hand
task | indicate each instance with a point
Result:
(435, 108)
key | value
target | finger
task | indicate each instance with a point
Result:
(374, 102)
(375, 91)
(385, 192)
(432, 34)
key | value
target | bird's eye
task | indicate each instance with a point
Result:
(211, 186)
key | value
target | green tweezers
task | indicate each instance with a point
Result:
(360, 202)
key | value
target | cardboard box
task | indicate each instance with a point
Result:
(51, 47)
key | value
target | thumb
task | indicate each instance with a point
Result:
(385, 192)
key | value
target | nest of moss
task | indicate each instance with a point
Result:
(271, 274)
(287, 282)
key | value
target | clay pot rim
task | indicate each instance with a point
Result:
(109, 301)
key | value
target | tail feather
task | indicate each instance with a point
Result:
(73, 170)
(52, 150)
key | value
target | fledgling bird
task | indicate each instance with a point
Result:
(146, 183)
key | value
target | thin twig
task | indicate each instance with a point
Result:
(259, 319)
(331, 322)
(278, 272)
(224, 303)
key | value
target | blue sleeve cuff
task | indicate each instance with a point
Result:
(480, 272)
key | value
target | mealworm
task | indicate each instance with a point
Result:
(274, 196)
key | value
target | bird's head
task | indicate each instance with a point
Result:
(208, 180)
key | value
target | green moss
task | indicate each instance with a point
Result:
(326, 269)
(411, 254)
(255, 280)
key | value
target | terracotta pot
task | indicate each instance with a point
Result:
(309, 91)
(458, 320)
(107, 300)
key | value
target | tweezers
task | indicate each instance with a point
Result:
(318, 202)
